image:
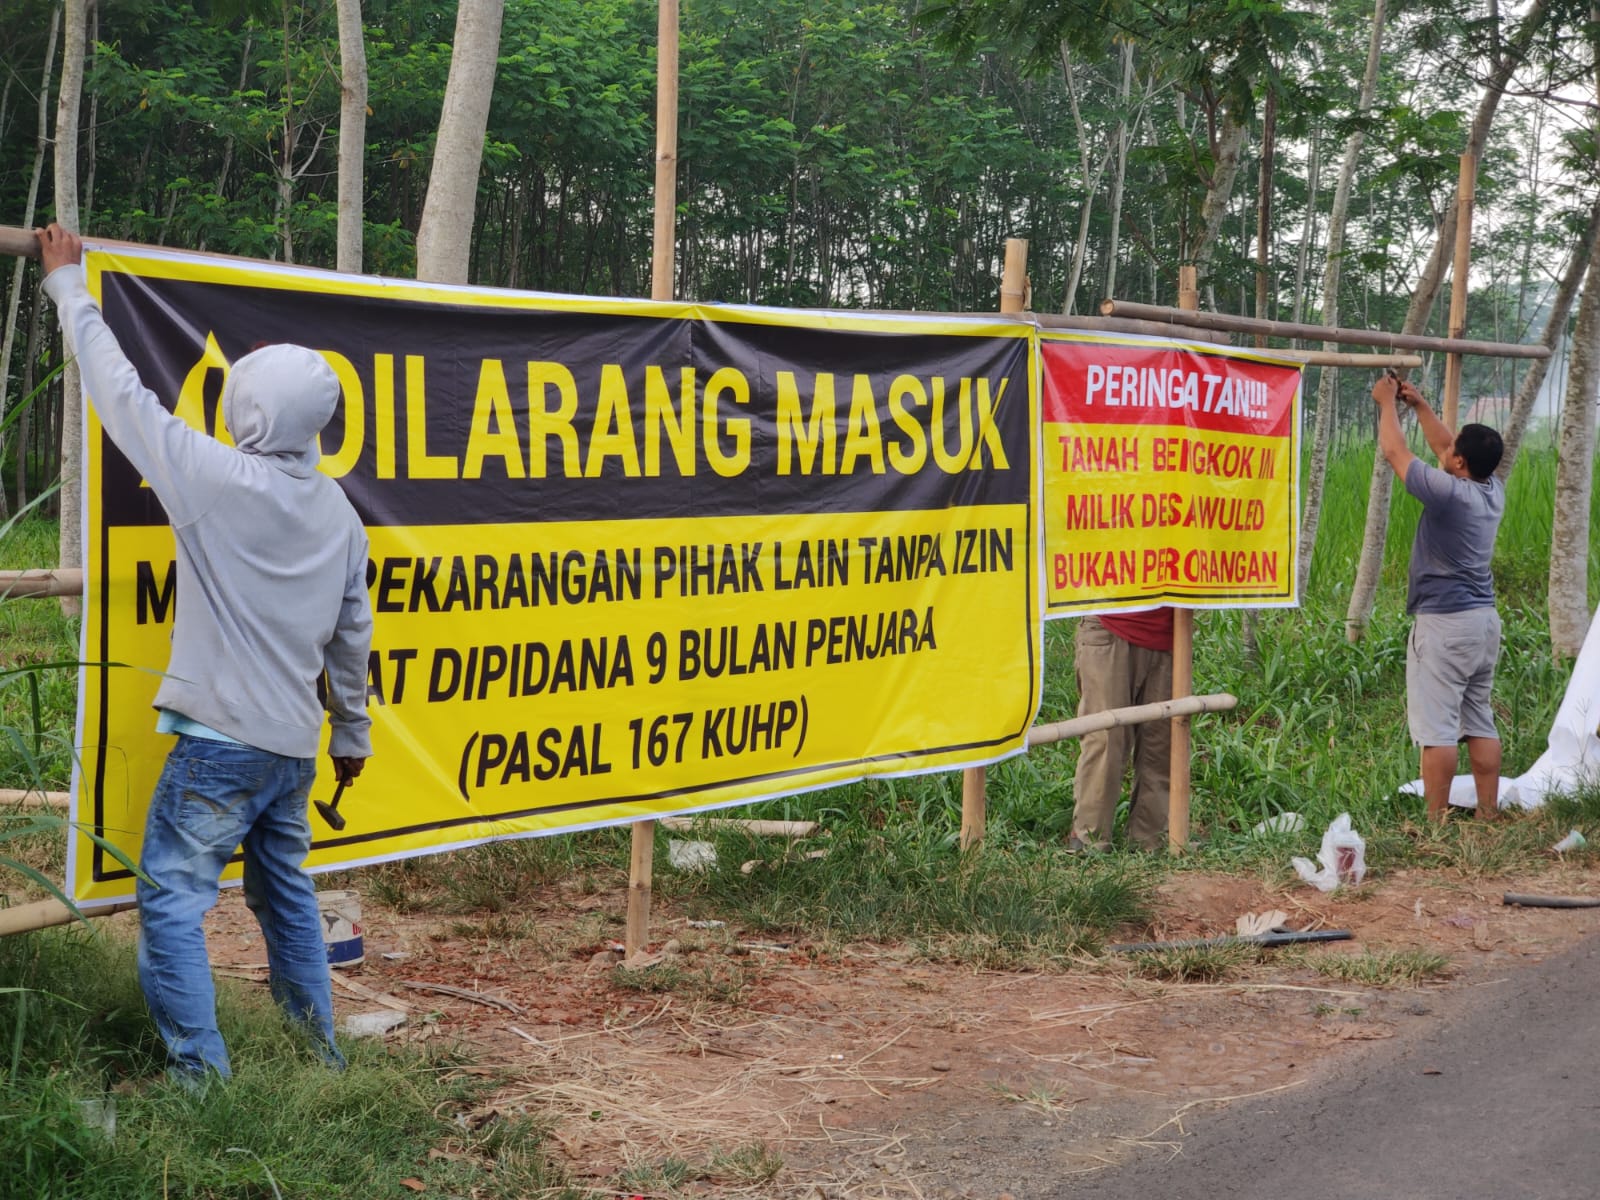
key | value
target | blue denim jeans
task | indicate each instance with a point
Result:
(212, 798)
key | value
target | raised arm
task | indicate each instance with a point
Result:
(1440, 440)
(1391, 439)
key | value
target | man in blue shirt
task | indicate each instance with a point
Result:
(1455, 634)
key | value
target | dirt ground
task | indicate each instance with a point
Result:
(770, 1070)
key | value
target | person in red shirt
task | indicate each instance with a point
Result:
(1122, 660)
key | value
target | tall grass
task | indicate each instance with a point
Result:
(78, 1040)
(35, 632)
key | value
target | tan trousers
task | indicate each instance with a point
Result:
(1115, 674)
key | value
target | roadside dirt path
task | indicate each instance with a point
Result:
(779, 1072)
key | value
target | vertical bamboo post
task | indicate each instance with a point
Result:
(974, 780)
(641, 862)
(661, 264)
(1459, 285)
(1182, 657)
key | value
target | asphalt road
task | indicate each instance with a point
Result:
(1498, 1100)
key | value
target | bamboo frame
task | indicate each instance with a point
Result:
(1450, 397)
(1136, 714)
(59, 581)
(18, 242)
(1288, 329)
(641, 860)
(1182, 654)
(48, 913)
(33, 798)
(975, 780)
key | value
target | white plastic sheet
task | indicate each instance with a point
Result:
(1572, 753)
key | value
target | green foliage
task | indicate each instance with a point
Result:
(1383, 968)
(905, 882)
(77, 1038)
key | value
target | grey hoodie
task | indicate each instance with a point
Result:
(271, 557)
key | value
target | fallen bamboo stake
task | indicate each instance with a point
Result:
(62, 581)
(1321, 333)
(1234, 939)
(1524, 901)
(445, 989)
(1137, 714)
(44, 914)
(33, 798)
(787, 829)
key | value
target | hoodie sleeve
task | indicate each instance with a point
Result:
(345, 663)
(184, 466)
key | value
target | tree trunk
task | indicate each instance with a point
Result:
(1328, 379)
(1555, 324)
(30, 376)
(1569, 532)
(444, 236)
(1309, 233)
(91, 149)
(1089, 182)
(74, 40)
(1568, 596)
(1120, 141)
(352, 135)
(1364, 591)
(14, 298)
(1269, 140)
(1225, 166)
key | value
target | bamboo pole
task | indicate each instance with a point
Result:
(17, 242)
(785, 829)
(1334, 358)
(641, 862)
(1460, 278)
(1123, 325)
(61, 581)
(33, 798)
(45, 914)
(662, 263)
(975, 780)
(1182, 654)
(1345, 337)
(1136, 714)
(641, 870)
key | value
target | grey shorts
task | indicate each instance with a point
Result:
(1450, 661)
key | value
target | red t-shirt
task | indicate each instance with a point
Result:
(1151, 629)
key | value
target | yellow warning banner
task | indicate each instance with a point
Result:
(627, 558)
(1171, 475)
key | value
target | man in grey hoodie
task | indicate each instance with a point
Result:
(271, 597)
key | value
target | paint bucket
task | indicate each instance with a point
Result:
(341, 928)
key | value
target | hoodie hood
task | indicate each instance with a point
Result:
(277, 400)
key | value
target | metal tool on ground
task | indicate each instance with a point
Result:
(330, 812)
(1287, 938)
(1525, 901)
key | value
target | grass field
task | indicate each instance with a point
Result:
(1320, 729)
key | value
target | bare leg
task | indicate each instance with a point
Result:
(1484, 755)
(1438, 770)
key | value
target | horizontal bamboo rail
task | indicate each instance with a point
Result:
(1138, 714)
(1118, 325)
(60, 581)
(33, 798)
(1318, 333)
(19, 243)
(44, 914)
(1334, 358)
(785, 829)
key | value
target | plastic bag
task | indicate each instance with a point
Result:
(1343, 857)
